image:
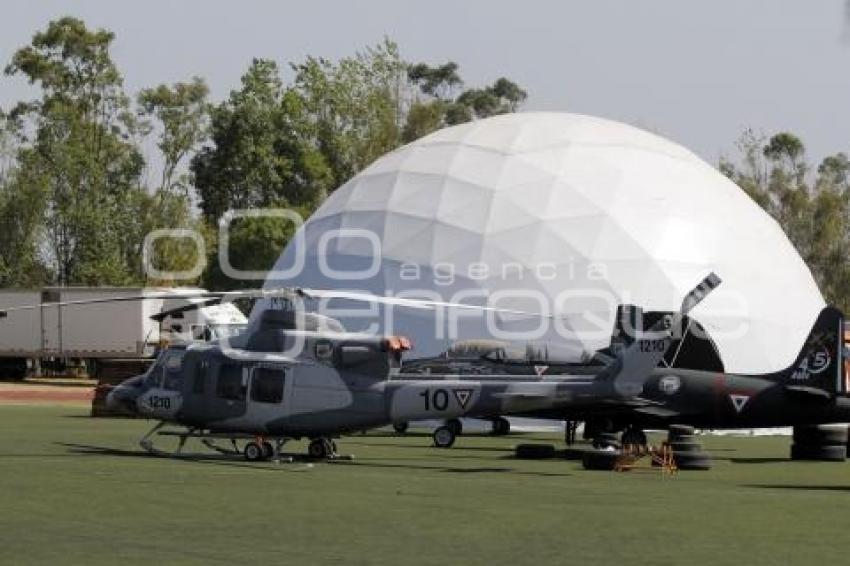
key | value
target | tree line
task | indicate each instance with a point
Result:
(77, 195)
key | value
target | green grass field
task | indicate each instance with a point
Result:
(77, 490)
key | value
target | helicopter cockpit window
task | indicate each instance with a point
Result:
(201, 333)
(154, 377)
(173, 365)
(267, 385)
(230, 385)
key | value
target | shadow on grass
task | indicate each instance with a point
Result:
(350, 442)
(765, 460)
(236, 461)
(451, 470)
(844, 488)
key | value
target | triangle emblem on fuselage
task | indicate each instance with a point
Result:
(463, 396)
(739, 401)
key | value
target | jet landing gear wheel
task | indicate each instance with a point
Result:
(321, 448)
(400, 428)
(253, 452)
(455, 425)
(444, 437)
(501, 426)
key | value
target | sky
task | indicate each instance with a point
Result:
(697, 73)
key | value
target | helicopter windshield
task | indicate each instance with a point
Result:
(220, 331)
(166, 371)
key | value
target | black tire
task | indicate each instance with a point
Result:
(818, 453)
(535, 451)
(677, 431)
(600, 459)
(401, 428)
(692, 460)
(268, 450)
(690, 446)
(606, 440)
(573, 454)
(444, 437)
(501, 426)
(455, 425)
(253, 452)
(821, 435)
(319, 449)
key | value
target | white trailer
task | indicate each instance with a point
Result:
(104, 335)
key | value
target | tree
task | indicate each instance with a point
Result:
(21, 209)
(814, 214)
(181, 110)
(254, 245)
(439, 82)
(261, 149)
(78, 156)
(440, 107)
(355, 106)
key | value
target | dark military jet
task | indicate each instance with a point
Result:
(812, 390)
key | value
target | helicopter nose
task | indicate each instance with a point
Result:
(122, 399)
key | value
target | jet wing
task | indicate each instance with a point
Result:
(809, 391)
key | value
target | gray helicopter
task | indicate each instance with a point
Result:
(296, 374)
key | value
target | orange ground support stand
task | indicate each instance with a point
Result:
(647, 458)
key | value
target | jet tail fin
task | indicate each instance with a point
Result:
(819, 367)
(634, 363)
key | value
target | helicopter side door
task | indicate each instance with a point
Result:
(229, 388)
(269, 395)
(197, 388)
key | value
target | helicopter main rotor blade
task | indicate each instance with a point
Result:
(292, 293)
(413, 303)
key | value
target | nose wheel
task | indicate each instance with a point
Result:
(444, 436)
(261, 449)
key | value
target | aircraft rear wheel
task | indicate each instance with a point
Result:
(321, 448)
(253, 452)
(444, 437)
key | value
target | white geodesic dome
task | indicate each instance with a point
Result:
(558, 203)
